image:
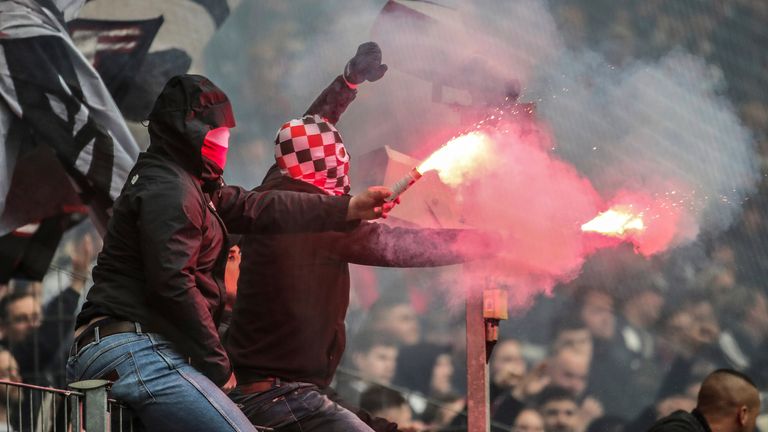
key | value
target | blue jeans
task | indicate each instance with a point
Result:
(162, 389)
(297, 407)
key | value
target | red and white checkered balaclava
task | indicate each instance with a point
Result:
(310, 149)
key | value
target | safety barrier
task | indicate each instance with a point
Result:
(85, 407)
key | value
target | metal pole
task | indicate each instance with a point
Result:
(477, 370)
(96, 416)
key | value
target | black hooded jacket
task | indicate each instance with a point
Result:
(293, 291)
(165, 250)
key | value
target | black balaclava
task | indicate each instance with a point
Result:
(190, 111)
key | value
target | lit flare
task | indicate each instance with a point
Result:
(615, 222)
(453, 162)
(459, 157)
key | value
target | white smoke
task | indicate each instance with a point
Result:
(661, 127)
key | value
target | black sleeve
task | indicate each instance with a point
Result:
(170, 228)
(41, 346)
(274, 212)
(377, 244)
(333, 101)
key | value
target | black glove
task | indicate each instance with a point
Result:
(365, 65)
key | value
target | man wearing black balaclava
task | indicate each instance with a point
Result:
(287, 333)
(150, 320)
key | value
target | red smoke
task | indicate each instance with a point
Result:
(539, 203)
(661, 217)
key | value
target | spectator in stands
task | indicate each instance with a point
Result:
(570, 332)
(691, 332)
(38, 337)
(396, 317)
(22, 315)
(745, 333)
(426, 369)
(566, 369)
(559, 409)
(528, 420)
(9, 396)
(374, 360)
(630, 361)
(596, 309)
(728, 401)
(386, 403)
(507, 367)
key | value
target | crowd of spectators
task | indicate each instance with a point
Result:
(603, 353)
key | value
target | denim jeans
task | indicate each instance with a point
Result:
(162, 389)
(297, 407)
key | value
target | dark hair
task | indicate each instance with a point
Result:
(379, 398)
(736, 374)
(569, 321)
(384, 304)
(12, 297)
(364, 341)
(554, 393)
(583, 291)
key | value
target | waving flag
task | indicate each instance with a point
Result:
(54, 108)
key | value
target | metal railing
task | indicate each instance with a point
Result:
(85, 407)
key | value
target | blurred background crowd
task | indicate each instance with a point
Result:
(625, 343)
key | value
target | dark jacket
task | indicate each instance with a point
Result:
(293, 292)
(165, 251)
(682, 421)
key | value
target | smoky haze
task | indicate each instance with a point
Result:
(658, 127)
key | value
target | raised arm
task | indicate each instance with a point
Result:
(334, 100)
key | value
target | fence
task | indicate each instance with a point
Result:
(85, 407)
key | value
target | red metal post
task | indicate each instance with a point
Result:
(477, 370)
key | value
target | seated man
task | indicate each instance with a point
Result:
(559, 410)
(374, 359)
(287, 334)
(728, 401)
(36, 335)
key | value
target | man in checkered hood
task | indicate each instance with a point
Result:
(287, 333)
(310, 149)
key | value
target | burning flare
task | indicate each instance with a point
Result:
(615, 222)
(459, 157)
(453, 162)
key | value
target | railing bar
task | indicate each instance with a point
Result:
(55, 408)
(18, 403)
(8, 407)
(31, 411)
(66, 413)
(45, 389)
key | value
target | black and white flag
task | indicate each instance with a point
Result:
(54, 107)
